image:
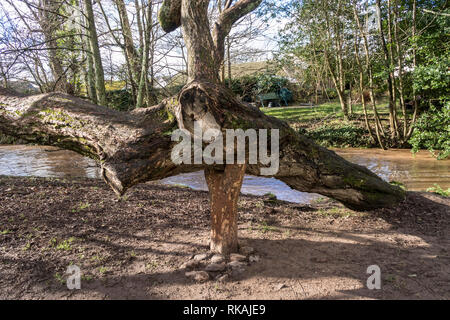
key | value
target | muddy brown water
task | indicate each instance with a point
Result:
(417, 172)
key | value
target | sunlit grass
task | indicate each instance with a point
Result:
(333, 109)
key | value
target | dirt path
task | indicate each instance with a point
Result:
(135, 248)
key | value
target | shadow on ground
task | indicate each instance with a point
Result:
(134, 249)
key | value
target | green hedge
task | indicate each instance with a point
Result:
(248, 87)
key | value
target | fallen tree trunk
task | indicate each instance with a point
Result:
(129, 147)
(135, 147)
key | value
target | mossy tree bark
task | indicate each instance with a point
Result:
(98, 66)
(134, 147)
(48, 20)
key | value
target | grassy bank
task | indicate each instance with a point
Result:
(325, 124)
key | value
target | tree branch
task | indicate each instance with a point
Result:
(436, 13)
(227, 19)
(170, 15)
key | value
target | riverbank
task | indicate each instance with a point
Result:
(135, 248)
(325, 125)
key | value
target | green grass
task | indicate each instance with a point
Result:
(80, 207)
(335, 213)
(59, 278)
(325, 124)
(27, 246)
(438, 190)
(264, 227)
(330, 109)
(102, 270)
(65, 245)
(271, 197)
(115, 85)
(177, 185)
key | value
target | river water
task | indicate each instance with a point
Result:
(417, 172)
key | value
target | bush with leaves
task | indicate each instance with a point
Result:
(244, 87)
(249, 86)
(431, 77)
(270, 83)
(121, 100)
(432, 132)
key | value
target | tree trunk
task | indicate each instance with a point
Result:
(99, 73)
(143, 81)
(414, 54)
(130, 51)
(49, 24)
(337, 77)
(378, 126)
(229, 60)
(224, 189)
(390, 78)
(88, 68)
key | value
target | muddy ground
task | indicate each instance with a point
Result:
(134, 248)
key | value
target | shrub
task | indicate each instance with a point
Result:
(331, 94)
(432, 132)
(249, 86)
(121, 100)
(244, 87)
(270, 83)
(339, 135)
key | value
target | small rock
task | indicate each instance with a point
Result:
(280, 286)
(199, 276)
(200, 257)
(246, 250)
(223, 278)
(237, 272)
(218, 258)
(237, 257)
(215, 267)
(236, 265)
(254, 259)
(192, 264)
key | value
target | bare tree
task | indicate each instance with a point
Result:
(95, 48)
